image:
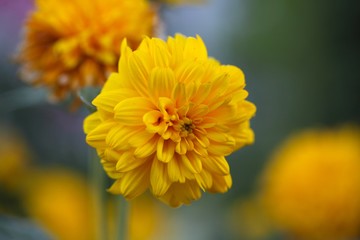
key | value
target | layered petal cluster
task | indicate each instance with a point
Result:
(311, 188)
(70, 44)
(168, 118)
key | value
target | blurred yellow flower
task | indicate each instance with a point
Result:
(75, 43)
(62, 202)
(14, 158)
(168, 118)
(311, 187)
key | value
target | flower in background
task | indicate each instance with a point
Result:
(62, 203)
(73, 43)
(168, 118)
(311, 188)
(14, 164)
(14, 158)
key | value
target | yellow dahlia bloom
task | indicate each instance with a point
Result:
(75, 43)
(312, 186)
(166, 120)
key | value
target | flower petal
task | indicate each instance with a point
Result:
(132, 183)
(131, 111)
(107, 100)
(147, 149)
(182, 193)
(165, 150)
(91, 122)
(204, 179)
(159, 178)
(217, 164)
(128, 162)
(96, 138)
(162, 82)
(221, 184)
(175, 171)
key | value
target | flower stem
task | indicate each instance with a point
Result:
(97, 177)
(122, 218)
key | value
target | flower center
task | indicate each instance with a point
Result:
(169, 122)
(186, 127)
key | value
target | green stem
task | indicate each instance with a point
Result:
(97, 177)
(122, 225)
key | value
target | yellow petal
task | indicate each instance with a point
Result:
(112, 155)
(181, 147)
(165, 150)
(221, 184)
(147, 149)
(189, 72)
(195, 49)
(159, 52)
(131, 111)
(221, 148)
(162, 82)
(96, 138)
(132, 183)
(217, 164)
(91, 122)
(188, 164)
(141, 138)
(182, 193)
(175, 171)
(109, 167)
(128, 162)
(112, 83)
(200, 150)
(118, 136)
(107, 100)
(159, 178)
(204, 179)
(195, 160)
(179, 94)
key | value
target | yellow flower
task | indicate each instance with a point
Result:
(168, 118)
(75, 43)
(14, 158)
(312, 186)
(62, 202)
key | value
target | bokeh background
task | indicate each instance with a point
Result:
(301, 61)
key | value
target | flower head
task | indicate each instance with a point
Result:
(166, 120)
(311, 188)
(73, 43)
